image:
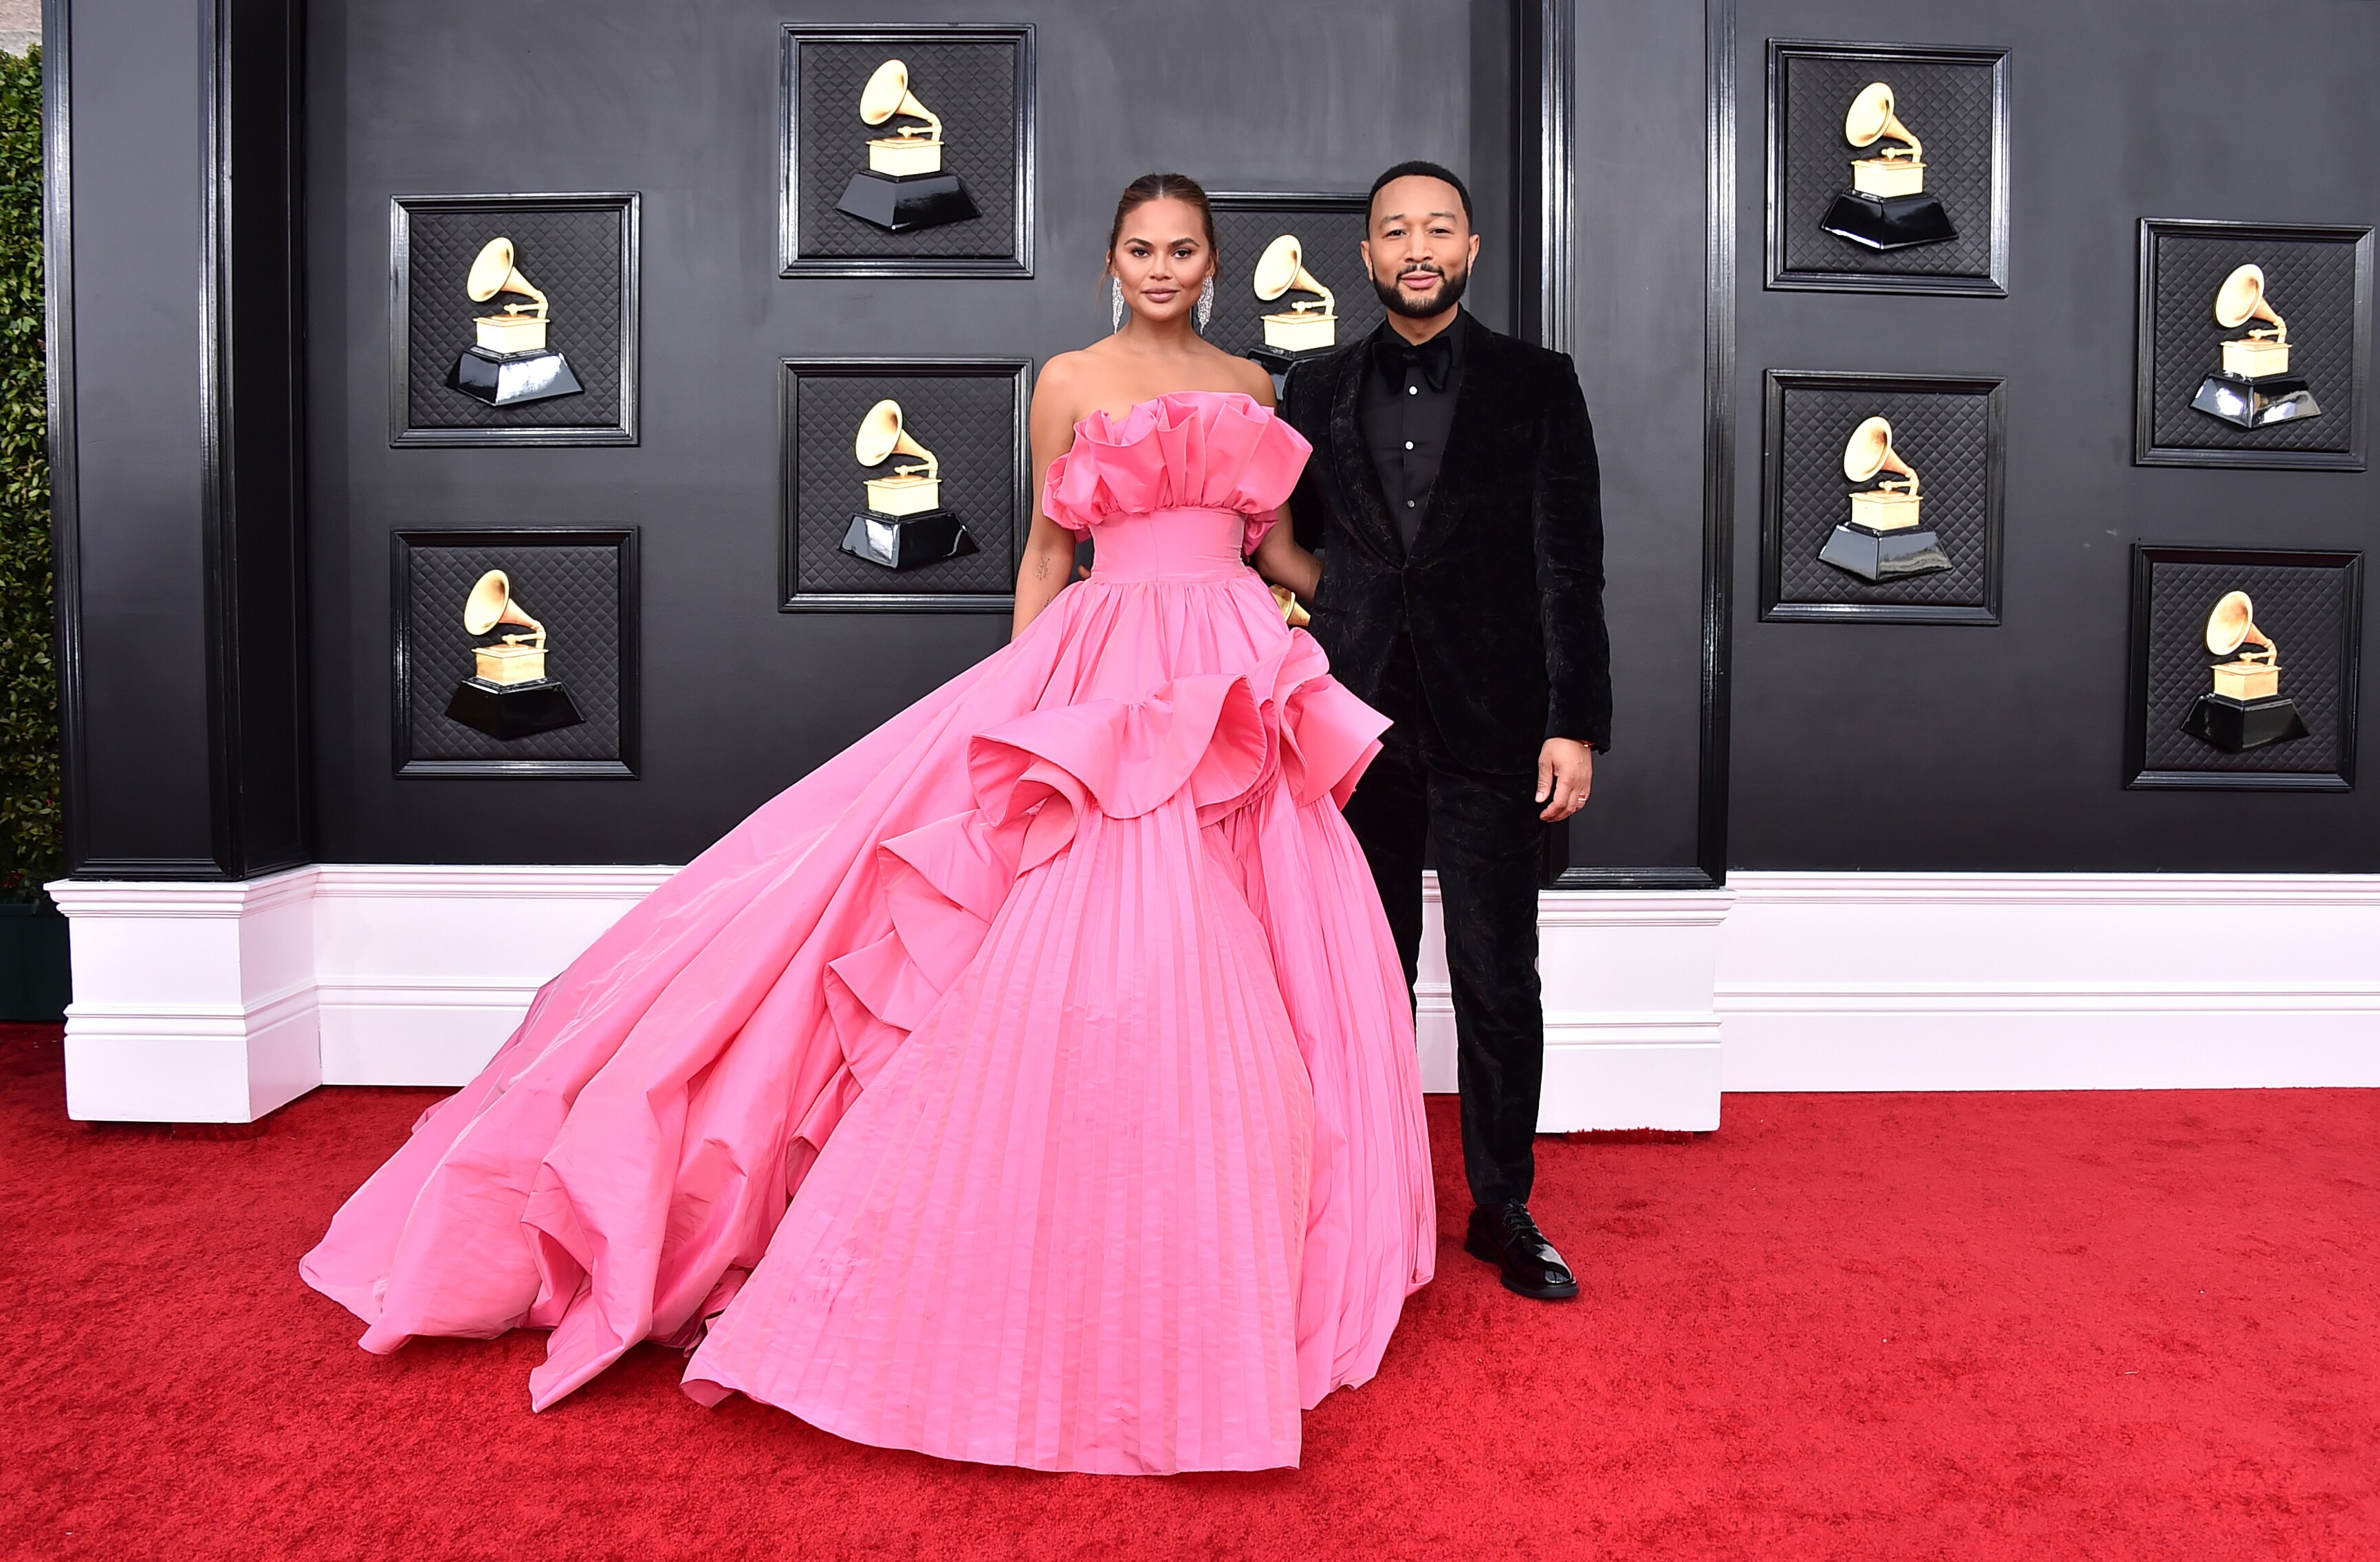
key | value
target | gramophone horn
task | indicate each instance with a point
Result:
(1871, 119)
(887, 94)
(1283, 267)
(2233, 625)
(882, 436)
(492, 272)
(2241, 299)
(1869, 452)
(490, 603)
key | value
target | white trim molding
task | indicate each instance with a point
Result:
(1995, 981)
(218, 1003)
(192, 1003)
(1632, 1035)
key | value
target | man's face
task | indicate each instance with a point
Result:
(1421, 246)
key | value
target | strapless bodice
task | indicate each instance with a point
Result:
(1178, 488)
(1177, 544)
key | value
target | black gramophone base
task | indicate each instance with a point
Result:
(898, 202)
(1888, 222)
(2255, 403)
(1883, 555)
(907, 542)
(2237, 725)
(506, 711)
(510, 379)
(1279, 361)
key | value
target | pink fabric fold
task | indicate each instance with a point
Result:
(1192, 448)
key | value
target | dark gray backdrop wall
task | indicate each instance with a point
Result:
(1898, 747)
(681, 105)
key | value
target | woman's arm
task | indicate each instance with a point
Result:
(1048, 548)
(1279, 559)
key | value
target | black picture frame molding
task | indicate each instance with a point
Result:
(401, 546)
(1775, 383)
(401, 432)
(1781, 51)
(790, 371)
(2137, 776)
(791, 262)
(2146, 452)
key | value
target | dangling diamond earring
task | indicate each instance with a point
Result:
(1206, 303)
(1115, 305)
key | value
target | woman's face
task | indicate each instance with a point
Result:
(1162, 258)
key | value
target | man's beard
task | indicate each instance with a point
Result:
(1448, 293)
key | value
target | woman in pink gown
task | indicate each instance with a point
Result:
(1032, 1083)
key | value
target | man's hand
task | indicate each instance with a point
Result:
(1565, 775)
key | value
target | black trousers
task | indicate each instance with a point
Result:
(1489, 841)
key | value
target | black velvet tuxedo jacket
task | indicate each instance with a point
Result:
(1503, 592)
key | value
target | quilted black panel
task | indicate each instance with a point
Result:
(1945, 437)
(1329, 238)
(967, 420)
(572, 255)
(2310, 284)
(573, 590)
(1946, 106)
(971, 85)
(2300, 607)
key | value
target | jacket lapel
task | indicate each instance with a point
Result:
(1477, 406)
(1368, 503)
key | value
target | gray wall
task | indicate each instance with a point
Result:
(682, 103)
(1900, 747)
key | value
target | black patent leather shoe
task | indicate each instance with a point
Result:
(1507, 1236)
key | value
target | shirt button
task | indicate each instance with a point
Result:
(1409, 444)
(1413, 390)
(1409, 503)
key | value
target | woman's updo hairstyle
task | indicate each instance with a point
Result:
(1165, 187)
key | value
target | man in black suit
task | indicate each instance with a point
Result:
(1454, 497)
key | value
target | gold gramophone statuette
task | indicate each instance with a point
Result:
(2259, 353)
(2251, 675)
(509, 693)
(1883, 540)
(903, 187)
(910, 489)
(2255, 387)
(2244, 710)
(1893, 503)
(905, 525)
(911, 148)
(520, 328)
(515, 659)
(1308, 324)
(508, 361)
(1886, 207)
(1897, 170)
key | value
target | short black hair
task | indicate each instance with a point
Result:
(1425, 170)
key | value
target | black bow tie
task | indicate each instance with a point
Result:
(1434, 357)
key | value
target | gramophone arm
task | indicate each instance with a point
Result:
(933, 122)
(536, 636)
(932, 468)
(521, 285)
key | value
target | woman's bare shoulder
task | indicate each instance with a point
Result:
(1248, 377)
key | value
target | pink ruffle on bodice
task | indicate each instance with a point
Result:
(1033, 1083)
(1194, 449)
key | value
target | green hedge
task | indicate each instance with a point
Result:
(31, 845)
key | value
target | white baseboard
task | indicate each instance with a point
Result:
(1632, 1038)
(218, 1003)
(2050, 981)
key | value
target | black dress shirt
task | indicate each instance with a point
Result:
(1407, 406)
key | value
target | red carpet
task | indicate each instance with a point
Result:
(2040, 1326)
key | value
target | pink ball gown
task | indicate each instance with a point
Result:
(1033, 1083)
